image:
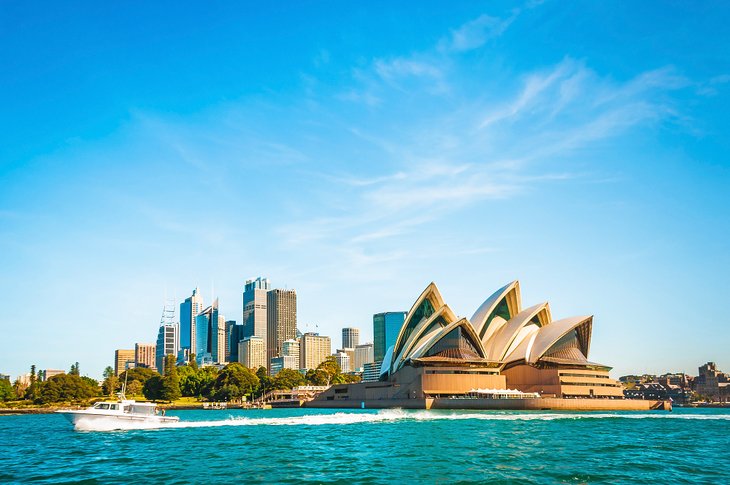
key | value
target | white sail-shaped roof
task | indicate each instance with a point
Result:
(499, 331)
(427, 327)
(484, 316)
(469, 334)
(427, 303)
(551, 334)
(501, 343)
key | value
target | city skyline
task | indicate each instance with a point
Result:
(359, 157)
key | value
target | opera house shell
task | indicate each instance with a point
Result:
(438, 355)
(532, 351)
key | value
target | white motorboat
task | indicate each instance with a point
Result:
(122, 412)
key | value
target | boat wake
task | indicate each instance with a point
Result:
(384, 416)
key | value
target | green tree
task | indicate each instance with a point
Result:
(111, 382)
(19, 388)
(197, 383)
(7, 393)
(170, 383)
(287, 379)
(264, 381)
(140, 374)
(192, 362)
(328, 373)
(134, 388)
(74, 370)
(152, 388)
(32, 392)
(92, 383)
(351, 378)
(67, 387)
(317, 377)
(234, 381)
(108, 372)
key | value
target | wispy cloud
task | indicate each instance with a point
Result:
(475, 33)
(400, 67)
(419, 72)
(463, 154)
(414, 158)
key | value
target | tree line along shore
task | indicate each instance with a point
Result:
(179, 386)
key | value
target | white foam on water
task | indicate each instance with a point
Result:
(385, 416)
(113, 424)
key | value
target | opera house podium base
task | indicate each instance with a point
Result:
(536, 404)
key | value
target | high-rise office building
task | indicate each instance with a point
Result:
(343, 360)
(281, 308)
(363, 355)
(168, 343)
(252, 352)
(219, 356)
(144, 355)
(189, 309)
(314, 349)
(210, 335)
(282, 362)
(254, 308)
(202, 337)
(386, 327)
(234, 334)
(350, 337)
(122, 358)
(291, 348)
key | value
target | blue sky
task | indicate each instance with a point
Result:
(356, 152)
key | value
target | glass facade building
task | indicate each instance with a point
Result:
(234, 334)
(386, 327)
(209, 335)
(189, 309)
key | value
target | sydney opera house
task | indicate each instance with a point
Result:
(505, 356)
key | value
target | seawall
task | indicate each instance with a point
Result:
(553, 404)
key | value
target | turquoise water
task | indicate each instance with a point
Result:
(388, 446)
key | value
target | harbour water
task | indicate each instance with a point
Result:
(386, 446)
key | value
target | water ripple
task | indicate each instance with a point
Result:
(315, 446)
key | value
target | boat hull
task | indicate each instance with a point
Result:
(123, 420)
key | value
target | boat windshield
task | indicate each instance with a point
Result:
(101, 405)
(143, 409)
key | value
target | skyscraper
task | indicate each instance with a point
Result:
(168, 343)
(314, 349)
(386, 327)
(122, 357)
(350, 337)
(252, 352)
(281, 307)
(144, 355)
(291, 348)
(219, 342)
(189, 309)
(363, 355)
(202, 337)
(254, 308)
(234, 334)
(210, 335)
